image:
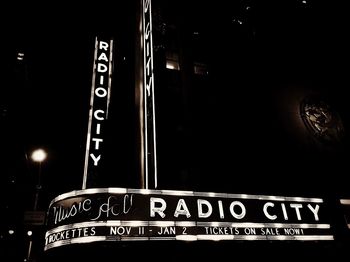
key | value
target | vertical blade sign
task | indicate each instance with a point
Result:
(98, 113)
(150, 155)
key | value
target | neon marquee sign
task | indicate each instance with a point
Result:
(122, 214)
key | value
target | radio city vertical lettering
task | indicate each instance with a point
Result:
(99, 104)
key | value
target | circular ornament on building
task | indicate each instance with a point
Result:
(322, 121)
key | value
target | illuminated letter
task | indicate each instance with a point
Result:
(146, 5)
(103, 92)
(148, 67)
(269, 204)
(96, 159)
(101, 68)
(285, 215)
(73, 211)
(103, 45)
(297, 211)
(98, 112)
(314, 211)
(101, 79)
(147, 49)
(233, 213)
(181, 209)
(97, 142)
(147, 31)
(98, 128)
(87, 201)
(149, 85)
(154, 209)
(93, 232)
(103, 57)
(221, 209)
(201, 202)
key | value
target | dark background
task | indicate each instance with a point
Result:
(235, 129)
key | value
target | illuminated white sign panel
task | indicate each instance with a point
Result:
(99, 103)
(346, 209)
(150, 155)
(121, 214)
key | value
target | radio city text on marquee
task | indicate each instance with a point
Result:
(185, 215)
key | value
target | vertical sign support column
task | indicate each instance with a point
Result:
(148, 125)
(98, 112)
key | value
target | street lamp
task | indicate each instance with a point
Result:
(38, 155)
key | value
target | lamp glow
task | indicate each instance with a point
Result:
(38, 155)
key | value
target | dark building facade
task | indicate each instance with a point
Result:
(196, 122)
